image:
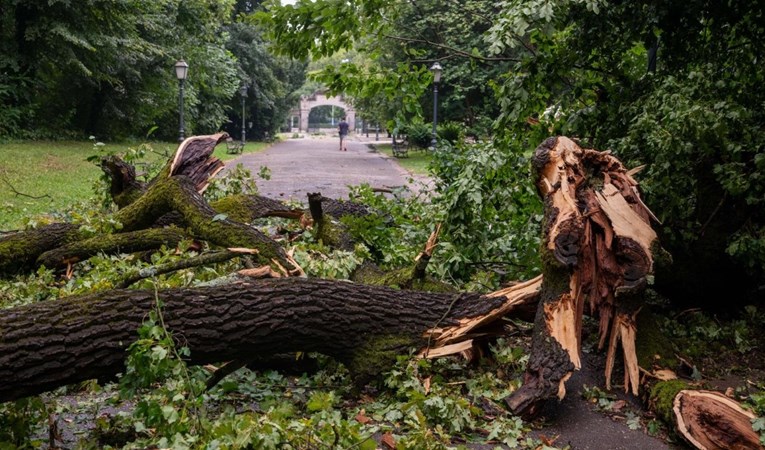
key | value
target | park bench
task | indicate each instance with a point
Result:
(401, 147)
(233, 146)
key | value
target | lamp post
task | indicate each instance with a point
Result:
(436, 69)
(243, 94)
(181, 71)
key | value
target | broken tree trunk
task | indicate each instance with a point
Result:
(175, 192)
(598, 250)
(707, 420)
(124, 186)
(711, 421)
(54, 343)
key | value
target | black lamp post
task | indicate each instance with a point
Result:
(181, 71)
(243, 94)
(436, 69)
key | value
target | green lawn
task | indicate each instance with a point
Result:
(417, 162)
(59, 170)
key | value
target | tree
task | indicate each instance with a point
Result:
(647, 80)
(106, 69)
(272, 81)
(666, 85)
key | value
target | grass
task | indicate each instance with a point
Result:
(250, 147)
(417, 162)
(59, 173)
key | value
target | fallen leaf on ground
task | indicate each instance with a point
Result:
(388, 442)
(362, 418)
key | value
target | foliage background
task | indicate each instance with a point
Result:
(74, 69)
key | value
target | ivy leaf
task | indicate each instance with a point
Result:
(758, 424)
(219, 218)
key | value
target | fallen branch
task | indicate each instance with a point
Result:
(199, 260)
(21, 194)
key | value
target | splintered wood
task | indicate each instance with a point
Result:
(598, 242)
(194, 159)
(457, 339)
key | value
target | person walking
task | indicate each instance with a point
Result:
(342, 129)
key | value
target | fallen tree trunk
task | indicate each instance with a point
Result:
(54, 343)
(707, 420)
(711, 421)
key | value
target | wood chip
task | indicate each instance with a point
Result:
(243, 250)
(665, 374)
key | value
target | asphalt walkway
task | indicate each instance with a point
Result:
(300, 166)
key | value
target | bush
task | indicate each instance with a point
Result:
(451, 132)
(419, 134)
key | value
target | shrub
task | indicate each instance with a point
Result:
(451, 132)
(419, 134)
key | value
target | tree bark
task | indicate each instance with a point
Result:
(19, 251)
(124, 186)
(53, 343)
(598, 250)
(131, 242)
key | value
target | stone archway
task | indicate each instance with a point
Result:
(319, 98)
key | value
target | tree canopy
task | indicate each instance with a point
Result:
(672, 85)
(105, 68)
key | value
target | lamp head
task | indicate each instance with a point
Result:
(181, 69)
(436, 69)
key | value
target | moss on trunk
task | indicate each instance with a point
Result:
(662, 396)
(19, 251)
(179, 194)
(131, 242)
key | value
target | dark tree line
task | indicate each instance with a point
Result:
(106, 68)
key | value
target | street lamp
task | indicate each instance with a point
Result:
(181, 71)
(436, 69)
(243, 94)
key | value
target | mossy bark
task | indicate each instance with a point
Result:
(654, 350)
(662, 395)
(329, 232)
(179, 194)
(130, 242)
(246, 208)
(400, 279)
(19, 251)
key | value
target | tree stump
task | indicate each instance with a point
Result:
(598, 252)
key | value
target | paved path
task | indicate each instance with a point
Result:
(299, 166)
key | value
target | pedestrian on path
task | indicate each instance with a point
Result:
(342, 129)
